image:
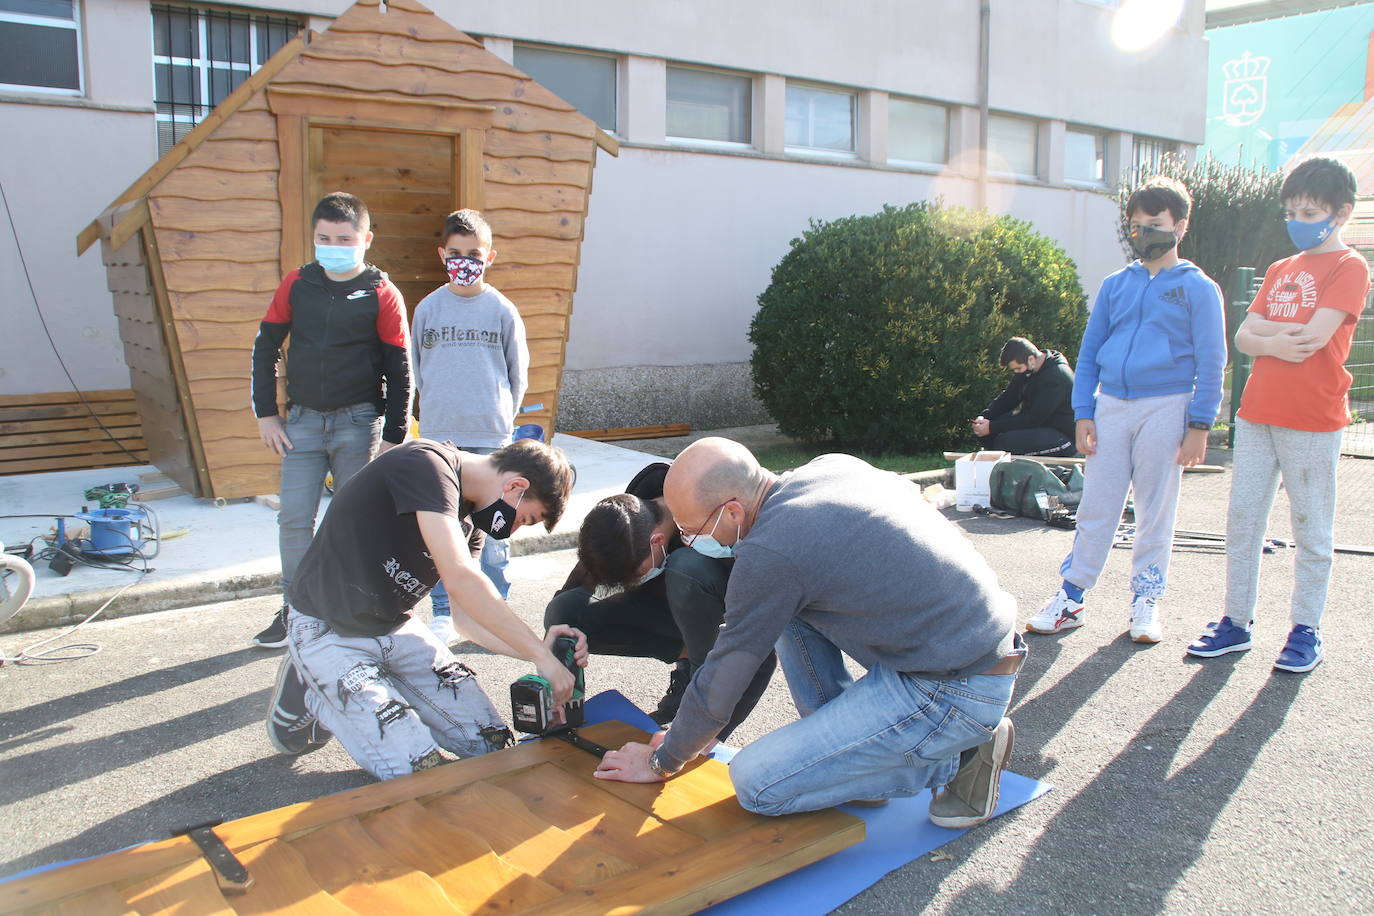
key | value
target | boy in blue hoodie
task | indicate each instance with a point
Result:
(1146, 392)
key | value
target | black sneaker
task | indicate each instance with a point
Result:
(290, 726)
(678, 679)
(274, 637)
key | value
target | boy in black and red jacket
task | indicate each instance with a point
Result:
(347, 376)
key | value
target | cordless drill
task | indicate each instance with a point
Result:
(531, 697)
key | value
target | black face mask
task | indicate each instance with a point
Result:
(497, 519)
(1149, 243)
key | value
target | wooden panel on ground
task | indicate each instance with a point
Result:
(539, 834)
(633, 432)
(57, 431)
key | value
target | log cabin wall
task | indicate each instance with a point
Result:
(418, 119)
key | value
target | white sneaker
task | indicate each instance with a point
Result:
(442, 627)
(1059, 613)
(1145, 625)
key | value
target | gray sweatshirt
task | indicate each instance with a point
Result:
(470, 367)
(857, 553)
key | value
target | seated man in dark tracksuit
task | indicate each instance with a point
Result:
(1034, 416)
(636, 591)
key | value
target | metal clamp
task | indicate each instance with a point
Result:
(230, 873)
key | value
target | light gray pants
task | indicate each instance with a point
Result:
(1307, 461)
(1137, 447)
(340, 442)
(393, 700)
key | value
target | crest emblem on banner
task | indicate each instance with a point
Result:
(1245, 93)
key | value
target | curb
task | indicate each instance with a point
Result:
(65, 610)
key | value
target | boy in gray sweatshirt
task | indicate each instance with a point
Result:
(471, 366)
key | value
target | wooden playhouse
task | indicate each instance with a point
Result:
(393, 104)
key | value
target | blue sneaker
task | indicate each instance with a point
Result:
(1220, 637)
(1303, 651)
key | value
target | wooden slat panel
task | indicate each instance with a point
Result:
(73, 463)
(459, 860)
(63, 397)
(543, 144)
(178, 213)
(236, 156)
(93, 446)
(199, 276)
(249, 125)
(282, 885)
(529, 843)
(128, 431)
(536, 198)
(218, 335)
(588, 814)
(510, 225)
(507, 277)
(70, 408)
(241, 247)
(357, 872)
(420, 26)
(529, 170)
(223, 305)
(188, 890)
(55, 431)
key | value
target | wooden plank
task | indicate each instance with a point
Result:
(469, 180)
(367, 180)
(199, 276)
(282, 884)
(351, 102)
(291, 182)
(187, 890)
(398, 48)
(414, 25)
(534, 250)
(95, 445)
(218, 335)
(544, 302)
(720, 870)
(248, 125)
(64, 397)
(221, 305)
(632, 432)
(589, 814)
(101, 409)
(607, 142)
(536, 198)
(216, 184)
(237, 246)
(183, 215)
(167, 163)
(507, 277)
(541, 144)
(71, 463)
(529, 170)
(235, 156)
(357, 872)
(128, 432)
(510, 225)
(124, 230)
(462, 863)
(529, 843)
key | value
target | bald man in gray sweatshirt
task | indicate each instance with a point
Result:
(838, 557)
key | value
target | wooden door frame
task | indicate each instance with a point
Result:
(298, 110)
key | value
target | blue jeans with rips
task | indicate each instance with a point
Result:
(887, 735)
(340, 441)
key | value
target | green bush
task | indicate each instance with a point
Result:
(884, 331)
(1236, 221)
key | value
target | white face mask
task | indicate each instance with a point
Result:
(658, 567)
(708, 546)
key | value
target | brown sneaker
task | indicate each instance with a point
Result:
(971, 797)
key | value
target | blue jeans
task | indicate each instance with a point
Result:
(340, 441)
(494, 558)
(886, 735)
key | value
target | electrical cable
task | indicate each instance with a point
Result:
(23, 263)
(72, 651)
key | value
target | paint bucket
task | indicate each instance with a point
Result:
(114, 532)
(529, 431)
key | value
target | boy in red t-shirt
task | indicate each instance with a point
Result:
(1293, 411)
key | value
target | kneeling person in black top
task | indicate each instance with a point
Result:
(360, 665)
(637, 591)
(1034, 415)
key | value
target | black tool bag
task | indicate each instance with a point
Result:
(1015, 483)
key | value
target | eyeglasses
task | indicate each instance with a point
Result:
(687, 539)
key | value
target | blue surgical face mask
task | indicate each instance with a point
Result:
(708, 546)
(339, 259)
(1310, 235)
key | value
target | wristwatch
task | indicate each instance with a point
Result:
(1198, 424)
(659, 770)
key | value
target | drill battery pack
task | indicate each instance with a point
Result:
(531, 697)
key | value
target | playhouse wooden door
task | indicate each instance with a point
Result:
(409, 181)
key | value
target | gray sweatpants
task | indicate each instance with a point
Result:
(1137, 447)
(1307, 461)
(392, 700)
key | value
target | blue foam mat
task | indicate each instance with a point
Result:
(897, 833)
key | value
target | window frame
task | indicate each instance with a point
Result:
(616, 76)
(52, 22)
(1164, 146)
(749, 78)
(1038, 126)
(1101, 143)
(205, 63)
(918, 163)
(825, 151)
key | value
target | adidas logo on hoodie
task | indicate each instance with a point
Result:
(1176, 296)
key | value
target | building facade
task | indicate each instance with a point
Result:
(738, 123)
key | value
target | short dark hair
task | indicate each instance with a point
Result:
(547, 469)
(1322, 179)
(342, 207)
(1018, 349)
(467, 222)
(614, 538)
(1159, 194)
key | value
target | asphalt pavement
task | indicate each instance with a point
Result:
(1180, 785)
